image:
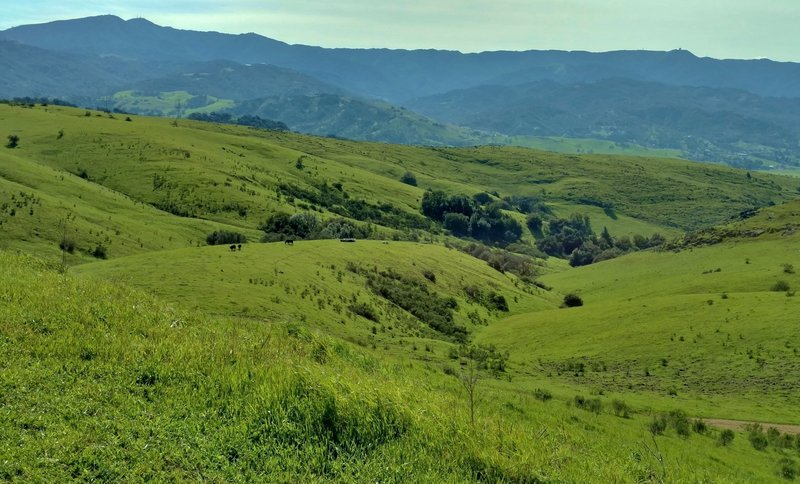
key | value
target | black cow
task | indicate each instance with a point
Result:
(238, 246)
(289, 242)
(233, 248)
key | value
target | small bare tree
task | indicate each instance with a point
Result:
(469, 378)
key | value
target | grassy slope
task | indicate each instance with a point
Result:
(310, 282)
(701, 324)
(102, 382)
(42, 198)
(220, 172)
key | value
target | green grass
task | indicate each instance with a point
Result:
(588, 146)
(311, 282)
(102, 382)
(253, 365)
(701, 327)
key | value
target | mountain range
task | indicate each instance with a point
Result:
(740, 112)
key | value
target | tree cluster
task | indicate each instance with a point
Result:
(224, 237)
(574, 238)
(306, 225)
(464, 217)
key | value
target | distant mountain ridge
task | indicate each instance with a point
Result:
(398, 75)
(741, 112)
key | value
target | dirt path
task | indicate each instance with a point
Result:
(739, 425)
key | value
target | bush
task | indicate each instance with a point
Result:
(67, 245)
(658, 425)
(620, 408)
(788, 268)
(13, 141)
(429, 275)
(788, 468)
(542, 395)
(781, 286)
(224, 237)
(572, 300)
(726, 437)
(680, 422)
(366, 311)
(409, 179)
(756, 436)
(99, 252)
(699, 426)
(593, 405)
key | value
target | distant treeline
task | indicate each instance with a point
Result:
(44, 101)
(246, 120)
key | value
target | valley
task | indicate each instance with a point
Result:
(350, 353)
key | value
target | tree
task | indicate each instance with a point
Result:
(13, 141)
(456, 223)
(469, 379)
(572, 300)
(409, 179)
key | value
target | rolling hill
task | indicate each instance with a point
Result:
(742, 113)
(723, 125)
(326, 360)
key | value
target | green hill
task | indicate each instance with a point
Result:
(111, 384)
(331, 360)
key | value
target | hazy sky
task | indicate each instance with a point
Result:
(716, 28)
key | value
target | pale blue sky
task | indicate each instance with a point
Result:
(715, 28)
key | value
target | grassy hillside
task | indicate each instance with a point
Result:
(230, 174)
(42, 205)
(712, 328)
(329, 360)
(111, 384)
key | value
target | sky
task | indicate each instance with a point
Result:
(741, 29)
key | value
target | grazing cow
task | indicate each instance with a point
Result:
(238, 246)
(289, 242)
(233, 248)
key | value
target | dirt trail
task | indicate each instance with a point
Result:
(740, 424)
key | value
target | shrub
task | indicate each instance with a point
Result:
(13, 141)
(781, 286)
(593, 405)
(366, 311)
(429, 275)
(99, 252)
(680, 422)
(788, 468)
(223, 237)
(658, 425)
(572, 300)
(67, 245)
(542, 395)
(788, 268)
(409, 179)
(699, 426)
(620, 408)
(726, 437)
(756, 436)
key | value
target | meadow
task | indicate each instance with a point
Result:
(329, 360)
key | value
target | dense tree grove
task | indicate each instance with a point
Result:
(223, 237)
(306, 225)
(466, 217)
(574, 238)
